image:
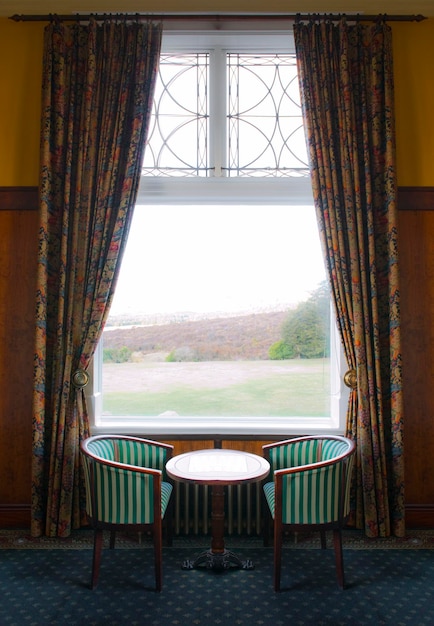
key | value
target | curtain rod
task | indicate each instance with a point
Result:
(223, 17)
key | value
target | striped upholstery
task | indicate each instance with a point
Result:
(126, 486)
(294, 454)
(332, 448)
(131, 451)
(120, 495)
(314, 495)
(310, 497)
(310, 488)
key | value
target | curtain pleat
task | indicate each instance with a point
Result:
(97, 94)
(346, 84)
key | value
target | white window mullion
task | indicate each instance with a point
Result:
(217, 108)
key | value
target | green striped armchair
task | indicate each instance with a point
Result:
(126, 488)
(310, 490)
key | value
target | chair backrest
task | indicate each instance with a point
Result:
(293, 453)
(123, 479)
(312, 478)
(131, 451)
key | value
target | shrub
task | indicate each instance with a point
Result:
(280, 351)
(182, 355)
(117, 355)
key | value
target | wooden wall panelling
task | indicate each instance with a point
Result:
(416, 231)
(417, 305)
(187, 444)
(18, 246)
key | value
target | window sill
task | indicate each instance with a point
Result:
(220, 427)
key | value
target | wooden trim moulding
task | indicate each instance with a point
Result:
(18, 516)
(26, 199)
(19, 198)
(419, 515)
(416, 198)
(15, 515)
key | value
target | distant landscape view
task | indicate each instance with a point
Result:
(219, 311)
(237, 338)
(211, 367)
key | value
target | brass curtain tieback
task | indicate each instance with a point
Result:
(350, 379)
(80, 378)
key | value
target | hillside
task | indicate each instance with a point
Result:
(245, 337)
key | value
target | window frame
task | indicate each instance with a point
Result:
(214, 190)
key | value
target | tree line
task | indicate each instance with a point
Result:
(304, 334)
(306, 330)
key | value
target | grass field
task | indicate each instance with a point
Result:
(218, 388)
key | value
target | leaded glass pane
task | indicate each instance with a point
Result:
(178, 137)
(265, 126)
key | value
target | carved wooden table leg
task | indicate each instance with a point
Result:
(218, 558)
(217, 467)
(217, 519)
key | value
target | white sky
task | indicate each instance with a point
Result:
(218, 258)
(231, 259)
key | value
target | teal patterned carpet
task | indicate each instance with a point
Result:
(46, 582)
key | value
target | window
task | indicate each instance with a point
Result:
(223, 248)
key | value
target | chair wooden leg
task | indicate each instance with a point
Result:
(96, 561)
(266, 529)
(339, 558)
(112, 539)
(158, 554)
(277, 553)
(168, 523)
(267, 520)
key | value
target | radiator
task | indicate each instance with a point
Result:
(243, 504)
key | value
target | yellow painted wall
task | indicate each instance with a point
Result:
(413, 51)
(20, 86)
(20, 96)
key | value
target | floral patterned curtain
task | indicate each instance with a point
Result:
(97, 93)
(346, 83)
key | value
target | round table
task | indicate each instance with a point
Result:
(217, 467)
